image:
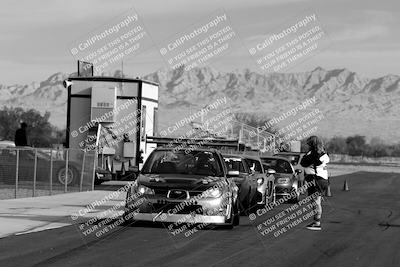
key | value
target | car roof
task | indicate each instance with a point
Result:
(275, 157)
(251, 157)
(290, 153)
(187, 148)
(232, 156)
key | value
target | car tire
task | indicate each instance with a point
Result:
(296, 199)
(245, 205)
(126, 222)
(97, 181)
(253, 204)
(234, 220)
(72, 176)
(272, 198)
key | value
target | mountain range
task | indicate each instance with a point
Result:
(351, 104)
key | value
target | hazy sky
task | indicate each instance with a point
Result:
(35, 35)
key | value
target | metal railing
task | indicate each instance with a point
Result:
(30, 172)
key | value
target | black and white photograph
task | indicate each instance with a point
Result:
(199, 133)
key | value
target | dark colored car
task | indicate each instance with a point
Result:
(286, 178)
(294, 158)
(26, 163)
(102, 175)
(265, 180)
(245, 179)
(183, 186)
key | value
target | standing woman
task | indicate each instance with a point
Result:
(314, 163)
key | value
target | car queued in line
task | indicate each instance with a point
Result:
(205, 186)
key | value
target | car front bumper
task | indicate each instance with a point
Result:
(178, 218)
(153, 209)
(283, 190)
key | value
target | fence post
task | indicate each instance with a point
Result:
(16, 174)
(51, 172)
(66, 171)
(34, 174)
(83, 169)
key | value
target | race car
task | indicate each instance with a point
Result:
(286, 178)
(245, 179)
(265, 180)
(294, 158)
(182, 185)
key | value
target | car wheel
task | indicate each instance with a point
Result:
(127, 219)
(271, 198)
(297, 198)
(70, 177)
(245, 205)
(253, 204)
(233, 220)
(97, 181)
(236, 218)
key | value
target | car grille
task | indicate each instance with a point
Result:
(177, 194)
(283, 190)
(177, 208)
(163, 192)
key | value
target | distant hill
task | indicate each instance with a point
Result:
(351, 104)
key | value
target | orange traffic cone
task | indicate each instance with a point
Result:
(345, 186)
(328, 192)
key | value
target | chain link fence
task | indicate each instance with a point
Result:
(30, 172)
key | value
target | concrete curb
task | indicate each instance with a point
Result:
(26, 215)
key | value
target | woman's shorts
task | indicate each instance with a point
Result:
(321, 185)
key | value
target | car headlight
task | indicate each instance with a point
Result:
(213, 192)
(283, 180)
(144, 190)
(260, 181)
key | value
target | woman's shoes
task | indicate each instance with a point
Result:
(314, 226)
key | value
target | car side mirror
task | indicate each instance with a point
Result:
(271, 171)
(298, 171)
(233, 173)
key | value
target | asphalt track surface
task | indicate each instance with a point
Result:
(361, 227)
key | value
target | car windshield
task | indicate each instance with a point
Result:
(202, 163)
(279, 165)
(294, 159)
(235, 164)
(255, 164)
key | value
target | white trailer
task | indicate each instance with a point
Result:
(113, 116)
